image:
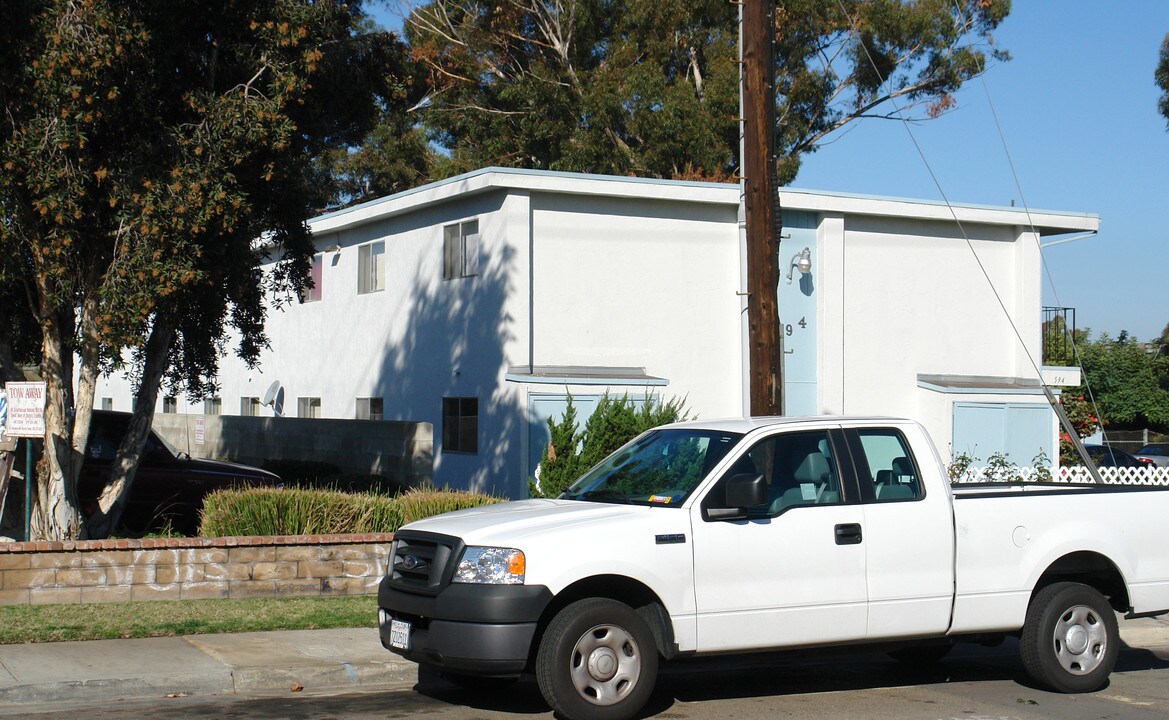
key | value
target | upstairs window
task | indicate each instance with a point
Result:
(170, 405)
(460, 424)
(460, 250)
(370, 409)
(313, 293)
(371, 268)
(212, 406)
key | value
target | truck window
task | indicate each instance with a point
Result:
(887, 471)
(800, 469)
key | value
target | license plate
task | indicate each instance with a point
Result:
(400, 634)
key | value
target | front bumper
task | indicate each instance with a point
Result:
(474, 629)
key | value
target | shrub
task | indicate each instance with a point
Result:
(615, 422)
(293, 511)
(418, 504)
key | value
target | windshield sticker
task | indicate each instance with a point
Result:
(664, 499)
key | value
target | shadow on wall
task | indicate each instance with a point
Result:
(401, 451)
(454, 347)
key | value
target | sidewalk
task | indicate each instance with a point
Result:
(256, 663)
(268, 663)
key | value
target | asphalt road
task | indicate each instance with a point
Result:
(972, 684)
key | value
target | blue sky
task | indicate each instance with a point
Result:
(1078, 110)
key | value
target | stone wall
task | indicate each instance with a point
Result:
(94, 571)
(403, 451)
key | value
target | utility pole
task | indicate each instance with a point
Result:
(761, 200)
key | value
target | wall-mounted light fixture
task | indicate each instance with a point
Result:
(801, 261)
(333, 249)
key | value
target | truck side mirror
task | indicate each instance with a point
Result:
(742, 491)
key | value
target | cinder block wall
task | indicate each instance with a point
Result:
(94, 571)
(403, 451)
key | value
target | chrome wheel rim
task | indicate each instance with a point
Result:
(1080, 640)
(605, 664)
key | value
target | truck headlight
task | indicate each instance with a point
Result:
(491, 566)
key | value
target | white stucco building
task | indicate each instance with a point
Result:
(479, 302)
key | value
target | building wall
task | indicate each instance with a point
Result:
(621, 283)
(912, 300)
(596, 272)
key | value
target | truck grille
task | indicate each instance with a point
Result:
(422, 562)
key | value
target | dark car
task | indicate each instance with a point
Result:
(169, 486)
(1105, 456)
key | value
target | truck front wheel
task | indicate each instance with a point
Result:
(597, 661)
(1070, 638)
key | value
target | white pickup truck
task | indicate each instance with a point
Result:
(759, 534)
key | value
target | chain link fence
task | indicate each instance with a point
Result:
(1132, 440)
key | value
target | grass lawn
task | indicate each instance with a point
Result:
(101, 621)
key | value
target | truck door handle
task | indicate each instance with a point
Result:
(848, 534)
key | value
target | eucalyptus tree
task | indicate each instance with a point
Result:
(651, 88)
(145, 148)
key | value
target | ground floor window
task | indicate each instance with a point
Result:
(308, 407)
(460, 424)
(370, 409)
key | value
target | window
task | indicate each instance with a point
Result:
(107, 403)
(249, 406)
(371, 268)
(885, 466)
(460, 425)
(308, 407)
(170, 405)
(460, 250)
(212, 406)
(313, 294)
(800, 469)
(370, 409)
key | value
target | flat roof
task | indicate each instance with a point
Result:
(487, 179)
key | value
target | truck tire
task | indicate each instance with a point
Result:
(597, 661)
(1070, 638)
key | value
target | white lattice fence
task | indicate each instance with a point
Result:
(1074, 474)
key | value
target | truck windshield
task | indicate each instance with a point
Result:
(660, 467)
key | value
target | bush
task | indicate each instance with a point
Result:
(418, 504)
(293, 511)
(615, 422)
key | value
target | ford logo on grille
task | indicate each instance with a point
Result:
(412, 562)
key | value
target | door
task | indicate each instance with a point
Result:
(793, 572)
(909, 537)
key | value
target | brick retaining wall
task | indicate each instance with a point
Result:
(94, 571)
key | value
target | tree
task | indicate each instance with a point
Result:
(614, 422)
(651, 88)
(145, 148)
(641, 88)
(1161, 75)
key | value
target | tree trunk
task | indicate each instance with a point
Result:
(55, 512)
(112, 502)
(761, 196)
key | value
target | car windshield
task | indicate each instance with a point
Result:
(660, 467)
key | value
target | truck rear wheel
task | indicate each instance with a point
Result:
(1070, 638)
(597, 661)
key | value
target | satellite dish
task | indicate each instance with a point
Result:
(270, 394)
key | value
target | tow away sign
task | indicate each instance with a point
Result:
(26, 409)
